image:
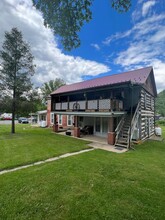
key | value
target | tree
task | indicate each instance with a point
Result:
(51, 86)
(5, 104)
(160, 103)
(66, 17)
(16, 68)
(32, 102)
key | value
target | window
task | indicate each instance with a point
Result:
(104, 125)
(69, 120)
(43, 117)
(52, 118)
(60, 119)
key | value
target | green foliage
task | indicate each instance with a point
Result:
(66, 17)
(16, 68)
(121, 5)
(31, 102)
(48, 87)
(6, 104)
(160, 122)
(160, 103)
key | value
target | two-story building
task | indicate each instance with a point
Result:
(120, 107)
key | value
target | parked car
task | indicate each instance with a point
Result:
(6, 116)
(23, 120)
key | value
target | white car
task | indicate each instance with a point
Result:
(23, 120)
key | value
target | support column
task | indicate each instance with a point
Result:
(111, 133)
(76, 128)
(55, 126)
(48, 111)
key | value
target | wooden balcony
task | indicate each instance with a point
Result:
(90, 105)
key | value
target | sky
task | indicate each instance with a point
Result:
(110, 43)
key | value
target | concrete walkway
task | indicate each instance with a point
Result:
(44, 161)
(107, 147)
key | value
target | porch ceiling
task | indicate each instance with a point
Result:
(92, 114)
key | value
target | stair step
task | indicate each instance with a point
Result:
(126, 125)
(122, 139)
(125, 129)
(121, 145)
(124, 132)
(122, 142)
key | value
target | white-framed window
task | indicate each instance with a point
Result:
(60, 119)
(52, 118)
(43, 117)
(69, 120)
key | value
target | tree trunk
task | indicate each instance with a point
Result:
(13, 116)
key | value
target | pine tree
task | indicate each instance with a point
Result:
(16, 68)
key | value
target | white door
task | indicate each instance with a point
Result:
(101, 127)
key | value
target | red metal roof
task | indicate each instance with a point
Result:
(138, 76)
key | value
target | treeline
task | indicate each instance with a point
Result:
(160, 103)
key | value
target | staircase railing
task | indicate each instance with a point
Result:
(135, 119)
(133, 123)
(128, 142)
(119, 127)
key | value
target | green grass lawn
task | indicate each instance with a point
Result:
(94, 185)
(31, 144)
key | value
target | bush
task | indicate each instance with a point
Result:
(161, 122)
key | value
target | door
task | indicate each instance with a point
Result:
(104, 126)
(101, 126)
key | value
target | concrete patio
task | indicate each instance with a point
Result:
(99, 143)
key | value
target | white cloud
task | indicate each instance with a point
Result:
(146, 49)
(143, 45)
(51, 62)
(96, 46)
(159, 69)
(147, 6)
(116, 36)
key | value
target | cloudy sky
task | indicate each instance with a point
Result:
(110, 43)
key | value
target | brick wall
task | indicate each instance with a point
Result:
(48, 111)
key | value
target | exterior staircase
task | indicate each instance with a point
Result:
(126, 127)
(122, 137)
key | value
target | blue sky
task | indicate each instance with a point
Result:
(110, 43)
(126, 41)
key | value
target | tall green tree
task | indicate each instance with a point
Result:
(16, 68)
(49, 87)
(66, 17)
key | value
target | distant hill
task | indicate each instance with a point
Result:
(160, 103)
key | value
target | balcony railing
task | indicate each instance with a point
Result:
(90, 105)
